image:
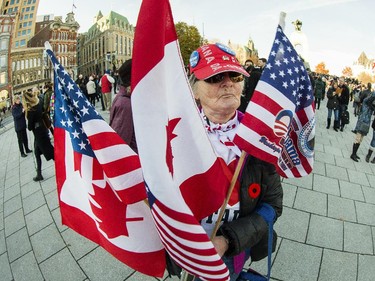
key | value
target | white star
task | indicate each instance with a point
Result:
(285, 85)
(70, 86)
(292, 82)
(277, 41)
(296, 69)
(56, 67)
(289, 49)
(273, 76)
(273, 53)
(87, 102)
(298, 103)
(84, 110)
(277, 62)
(294, 93)
(82, 145)
(62, 108)
(281, 50)
(70, 122)
(71, 108)
(79, 94)
(293, 59)
(76, 118)
(268, 66)
(75, 103)
(290, 72)
(75, 134)
(63, 123)
(285, 60)
(281, 73)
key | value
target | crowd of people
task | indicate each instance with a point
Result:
(34, 110)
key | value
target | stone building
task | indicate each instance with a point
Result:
(245, 52)
(6, 29)
(63, 39)
(363, 64)
(106, 45)
(29, 69)
(25, 15)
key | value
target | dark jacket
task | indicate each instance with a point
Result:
(250, 230)
(249, 87)
(36, 125)
(18, 117)
(319, 88)
(332, 100)
(345, 94)
(121, 118)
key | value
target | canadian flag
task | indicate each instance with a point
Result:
(185, 177)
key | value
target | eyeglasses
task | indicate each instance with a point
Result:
(235, 77)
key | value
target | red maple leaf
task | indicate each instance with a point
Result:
(170, 136)
(111, 212)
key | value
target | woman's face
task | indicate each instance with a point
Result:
(221, 98)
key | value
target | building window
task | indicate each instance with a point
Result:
(22, 42)
(3, 44)
(3, 62)
(17, 44)
(3, 78)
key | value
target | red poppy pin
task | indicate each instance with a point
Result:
(254, 190)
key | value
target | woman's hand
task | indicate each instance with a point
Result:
(221, 245)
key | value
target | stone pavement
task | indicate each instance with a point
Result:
(327, 230)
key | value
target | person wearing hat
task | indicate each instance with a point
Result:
(42, 143)
(106, 82)
(120, 115)
(18, 113)
(217, 82)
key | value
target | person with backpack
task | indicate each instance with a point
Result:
(332, 105)
(343, 102)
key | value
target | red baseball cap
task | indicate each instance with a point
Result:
(211, 59)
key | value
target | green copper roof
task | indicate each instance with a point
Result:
(112, 19)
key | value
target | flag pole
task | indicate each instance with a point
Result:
(230, 190)
(282, 19)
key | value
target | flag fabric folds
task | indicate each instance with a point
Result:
(100, 182)
(184, 176)
(279, 123)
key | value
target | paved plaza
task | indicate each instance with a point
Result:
(326, 232)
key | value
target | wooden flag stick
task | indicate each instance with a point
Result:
(229, 193)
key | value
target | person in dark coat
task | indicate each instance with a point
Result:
(19, 119)
(42, 144)
(120, 115)
(333, 105)
(249, 87)
(343, 100)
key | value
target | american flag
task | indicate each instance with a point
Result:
(279, 123)
(183, 173)
(100, 182)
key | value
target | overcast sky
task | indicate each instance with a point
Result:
(337, 30)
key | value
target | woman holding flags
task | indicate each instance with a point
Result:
(217, 83)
